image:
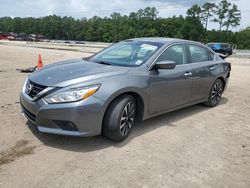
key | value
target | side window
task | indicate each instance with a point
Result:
(198, 54)
(176, 53)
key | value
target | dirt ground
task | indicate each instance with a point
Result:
(193, 147)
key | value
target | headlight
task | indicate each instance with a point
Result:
(73, 95)
(24, 85)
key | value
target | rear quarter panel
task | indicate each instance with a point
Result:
(222, 71)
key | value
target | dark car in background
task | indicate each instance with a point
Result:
(221, 48)
(135, 79)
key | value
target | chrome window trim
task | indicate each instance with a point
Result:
(180, 43)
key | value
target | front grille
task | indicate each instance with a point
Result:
(32, 89)
(28, 114)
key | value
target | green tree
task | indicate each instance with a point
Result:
(208, 10)
(243, 39)
(221, 13)
(193, 29)
(195, 11)
(233, 17)
(150, 13)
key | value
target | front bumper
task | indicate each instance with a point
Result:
(83, 118)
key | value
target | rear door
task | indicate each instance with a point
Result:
(202, 68)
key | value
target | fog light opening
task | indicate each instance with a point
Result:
(66, 125)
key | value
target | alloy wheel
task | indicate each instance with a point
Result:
(127, 118)
(216, 92)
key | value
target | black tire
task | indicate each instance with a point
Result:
(215, 93)
(119, 118)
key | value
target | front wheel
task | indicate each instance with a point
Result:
(119, 118)
(215, 93)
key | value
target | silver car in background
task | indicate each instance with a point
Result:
(135, 79)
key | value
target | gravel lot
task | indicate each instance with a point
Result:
(193, 147)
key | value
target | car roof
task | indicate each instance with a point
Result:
(161, 40)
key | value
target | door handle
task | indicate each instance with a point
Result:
(188, 74)
(212, 68)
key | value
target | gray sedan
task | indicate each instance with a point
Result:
(132, 80)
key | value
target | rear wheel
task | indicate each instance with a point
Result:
(215, 93)
(119, 118)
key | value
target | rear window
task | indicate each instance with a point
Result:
(218, 46)
(210, 45)
(225, 45)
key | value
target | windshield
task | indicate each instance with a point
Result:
(129, 54)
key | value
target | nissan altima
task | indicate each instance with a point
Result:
(132, 80)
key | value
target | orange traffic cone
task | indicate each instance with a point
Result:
(39, 63)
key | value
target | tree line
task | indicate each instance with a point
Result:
(142, 23)
(224, 13)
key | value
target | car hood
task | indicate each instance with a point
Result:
(74, 71)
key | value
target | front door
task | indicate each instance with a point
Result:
(170, 88)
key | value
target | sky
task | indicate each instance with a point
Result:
(90, 8)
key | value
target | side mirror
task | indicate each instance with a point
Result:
(165, 65)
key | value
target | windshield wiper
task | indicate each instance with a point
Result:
(104, 63)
